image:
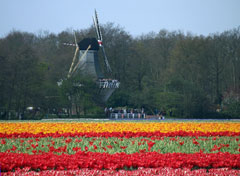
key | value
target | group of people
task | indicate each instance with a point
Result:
(160, 114)
(124, 113)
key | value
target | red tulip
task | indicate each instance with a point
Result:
(68, 141)
(109, 146)
(181, 143)
(14, 148)
(195, 142)
(120, 134)
(123, 147)
(3, 141)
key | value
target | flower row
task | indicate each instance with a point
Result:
(80, 127)
(139, 171)
(71, 145)
(118, 134)
(47, 161)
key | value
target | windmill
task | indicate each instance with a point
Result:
(88, 62)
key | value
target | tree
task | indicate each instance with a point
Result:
(80, 94)
(21, 77)
(187, 75)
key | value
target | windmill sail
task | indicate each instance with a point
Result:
(100, 41)
(74, 57)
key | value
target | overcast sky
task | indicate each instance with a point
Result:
(200, 17)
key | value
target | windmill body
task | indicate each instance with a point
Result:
(89, 65)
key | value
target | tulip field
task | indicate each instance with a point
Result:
(120, 148)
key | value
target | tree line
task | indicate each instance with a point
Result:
(182, 74)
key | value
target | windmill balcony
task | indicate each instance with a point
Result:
(109, 83)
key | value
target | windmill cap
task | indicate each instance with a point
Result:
(83, 44)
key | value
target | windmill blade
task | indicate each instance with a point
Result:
(69, 44)
(75, 39)
(76, 66)
(75, 55)
(74, 58)
(98, 26)
(99, 35)
(72, 44)
(106, 60)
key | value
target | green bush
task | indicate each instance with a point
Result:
(232, 109)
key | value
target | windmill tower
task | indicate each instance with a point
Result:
(88, 62)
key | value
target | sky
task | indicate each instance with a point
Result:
(137, 17)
